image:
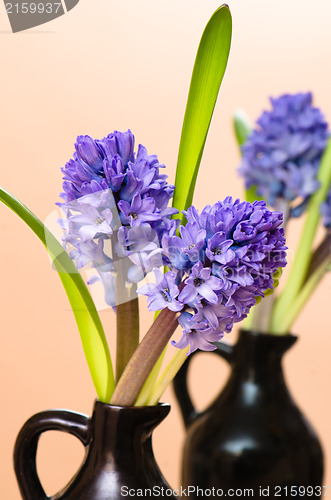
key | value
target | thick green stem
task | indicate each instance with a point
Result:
(301, 262)
(146, 391)
(261, 314)
(322, 253)
(127, 314)
(304, 295)
(167, 376)
(127, 321)
(144, 359)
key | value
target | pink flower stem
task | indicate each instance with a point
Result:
(144, 358)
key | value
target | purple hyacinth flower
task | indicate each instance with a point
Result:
(196, 334)
(114, 173)
(131, 186)
(151, 160)
(200, 282)
(131, 227)
(218, 316)
(193, 240)
(136, 239)
(138, 211)
(232, 275)
(173, 255)
(141, 245)
(88, 152)
(219, 249)
(118, 143)
(91, 223)
(163, 293)
(282, 155)
(182, 252)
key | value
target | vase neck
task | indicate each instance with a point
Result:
(258, 356)
(119, 433)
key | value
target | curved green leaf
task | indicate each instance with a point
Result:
(207, 76)
(88, 321)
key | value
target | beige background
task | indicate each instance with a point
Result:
(113, 65)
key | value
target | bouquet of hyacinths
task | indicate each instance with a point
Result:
(117, 221)
(286, 161)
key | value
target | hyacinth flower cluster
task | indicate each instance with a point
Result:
(222, 260)
(281, 156)
(286, 161)
(116, 206)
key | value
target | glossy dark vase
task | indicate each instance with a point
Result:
(253, 435)
(118, 457)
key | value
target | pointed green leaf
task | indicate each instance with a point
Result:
(242, 129)
(88, 321)
(207, 76)
(242, 126)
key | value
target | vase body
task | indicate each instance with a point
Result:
(118, 462)
(253, 436)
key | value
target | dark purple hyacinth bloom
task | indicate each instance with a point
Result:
(117, 197)
(240, 246)
(282, 155)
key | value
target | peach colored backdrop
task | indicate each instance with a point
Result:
(113, 65)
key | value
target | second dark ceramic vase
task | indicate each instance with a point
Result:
(253, 436)
(119, 460)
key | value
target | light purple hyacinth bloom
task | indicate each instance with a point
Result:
(200, 283)
(282, 155)
(163, 293)
(117, 197)
(240, 246)
(197, 335)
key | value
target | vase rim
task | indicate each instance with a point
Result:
(255, 333)
(101, 404)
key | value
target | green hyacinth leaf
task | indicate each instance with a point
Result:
(251, 194)
(88, 321)
(207, 76)
(242, 129)
(242, 126)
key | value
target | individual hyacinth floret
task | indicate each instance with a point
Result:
(116, 207)
(223, 259)
(282, 155)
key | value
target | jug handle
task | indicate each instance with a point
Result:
(189, 412)
(27, 443)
